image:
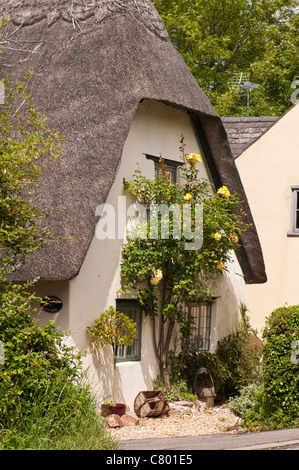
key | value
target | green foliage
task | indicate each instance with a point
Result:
(34, 356)
(114, 328)
(235, 364)
(185, 367)
(246, 404)
(63, 416)
(274, 403)
(163, 273)
(178, 390)
(43, 401)
(26, 148)
(281, 374)
(217, 39)
(242, 357)
(43, 396)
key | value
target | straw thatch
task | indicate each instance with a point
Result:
(92, 63)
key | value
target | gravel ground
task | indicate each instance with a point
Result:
(182, 421)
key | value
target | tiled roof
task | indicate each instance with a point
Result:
(243, 131)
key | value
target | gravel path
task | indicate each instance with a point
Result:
(182, 421)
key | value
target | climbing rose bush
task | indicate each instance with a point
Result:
(159, 271)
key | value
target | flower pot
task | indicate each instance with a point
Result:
(117, 409)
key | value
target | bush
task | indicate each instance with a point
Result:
(62, 417)
(281, 374)
(235, 364)
(194, 360)
(247, 402)
(242, 358)
(178, 390)
(43, 398)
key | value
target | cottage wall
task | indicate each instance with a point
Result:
(268, 169)
(156, 128)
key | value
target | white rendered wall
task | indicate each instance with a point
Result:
(268, 169)
(156, 129)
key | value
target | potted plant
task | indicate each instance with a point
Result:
(117, 329)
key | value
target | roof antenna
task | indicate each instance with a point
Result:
(241, 80)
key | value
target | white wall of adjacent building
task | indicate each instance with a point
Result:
(268, 170)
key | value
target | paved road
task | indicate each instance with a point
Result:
(267, 440)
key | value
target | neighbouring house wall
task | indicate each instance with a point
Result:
(268, 169)
(156, 128)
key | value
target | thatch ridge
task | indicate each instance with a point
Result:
(89, 85)
(27, 12)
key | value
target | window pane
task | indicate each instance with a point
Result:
(132, 352)
(167, 171)
(200, 335)
(297, 210)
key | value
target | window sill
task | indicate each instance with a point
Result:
(125, 362)
(293, 234)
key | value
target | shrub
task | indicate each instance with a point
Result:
(235, 364)
(178, 390)
(281, 374)
(35, 356)
(242, 358)
(192, 361)
(62, 417)
(44, 402)
(247, 402)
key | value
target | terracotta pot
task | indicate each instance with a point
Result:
(117, 409)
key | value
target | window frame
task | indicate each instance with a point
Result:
(203, 322)
(125, 305)
(294, 212)
(171, 165)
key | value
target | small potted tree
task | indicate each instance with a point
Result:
(117, 329)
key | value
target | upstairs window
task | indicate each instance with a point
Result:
(295, 211)
(169, 168)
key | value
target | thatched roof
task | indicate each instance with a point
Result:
(93, 61)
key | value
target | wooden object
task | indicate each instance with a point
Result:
(151, 403)
(207, 393)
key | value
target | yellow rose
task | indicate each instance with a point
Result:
(188, 197)
(159, 274)
(234, 237)
(192, 158)
(155, 280)
(217, 236)
(220, 265)
(224, 191)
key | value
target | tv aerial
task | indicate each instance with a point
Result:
(241, 80)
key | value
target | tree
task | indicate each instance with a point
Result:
(114, 328)
(31, 352)
(166, 263)
(219, 38)
(42, 392)
(26, 147)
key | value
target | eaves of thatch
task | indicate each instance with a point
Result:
(92, 62)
